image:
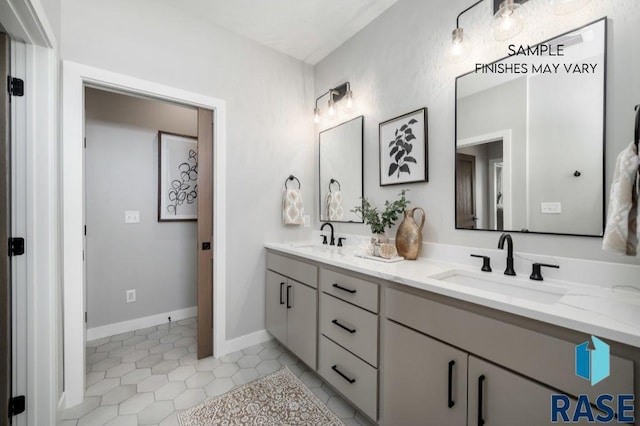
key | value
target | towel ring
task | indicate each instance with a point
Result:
(292, 177)
(637, 132)
(332, 182)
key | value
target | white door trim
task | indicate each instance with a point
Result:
(74, 78)
(505, 137)
(26, 21)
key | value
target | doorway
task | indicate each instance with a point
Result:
(75, 78)
(142, 266)
(465, 191)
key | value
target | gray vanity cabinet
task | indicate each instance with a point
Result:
(292, 305)
(499, 397)
(424, 380)
(276, 306)
(302, 322)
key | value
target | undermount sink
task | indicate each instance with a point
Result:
(506, 286)
(325, 248)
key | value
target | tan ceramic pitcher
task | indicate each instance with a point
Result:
(409, 236)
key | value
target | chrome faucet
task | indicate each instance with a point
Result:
(333, 240)
(506, 237)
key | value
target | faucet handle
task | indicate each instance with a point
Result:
(324, 239)
(340, 240)
(486, 262)
(536, 273)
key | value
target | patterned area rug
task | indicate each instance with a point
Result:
(278, 399)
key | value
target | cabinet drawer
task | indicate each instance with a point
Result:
(299, 271)
(351, 327)
(354, 378)
(516, 348)
(353, 290)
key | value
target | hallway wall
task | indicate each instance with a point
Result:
(269, 100)
(157, 259)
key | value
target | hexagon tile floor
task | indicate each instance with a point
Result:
(147, 376)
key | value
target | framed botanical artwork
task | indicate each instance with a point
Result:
(404, 150)
(177, 177)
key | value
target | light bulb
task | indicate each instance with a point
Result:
(508, 22)
(316, 115)
(562, 7)
(460, 46)
(349, 98)
(332, 107)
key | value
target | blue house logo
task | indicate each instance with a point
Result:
(592, 363)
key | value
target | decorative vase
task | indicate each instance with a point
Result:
(409, 235)
(376, 241)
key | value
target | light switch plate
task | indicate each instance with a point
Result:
(551, 208)
(131, 296)
(131, 217)
(307, 220)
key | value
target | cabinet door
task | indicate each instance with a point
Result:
(302, 304)
(506, 398)
(425, 381)
(276, 306)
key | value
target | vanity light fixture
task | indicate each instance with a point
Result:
(460, 45)
(335, 95)
(508, 22)
(562, 7)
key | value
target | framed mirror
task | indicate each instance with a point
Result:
(530, 132)
(341, 172)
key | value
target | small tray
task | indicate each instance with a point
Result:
(381, 259)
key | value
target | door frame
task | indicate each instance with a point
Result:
(75, 77)
(504, 136)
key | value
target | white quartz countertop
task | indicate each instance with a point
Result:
(608, 313)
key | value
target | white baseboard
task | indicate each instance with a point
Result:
(247, 340)
(139, 323)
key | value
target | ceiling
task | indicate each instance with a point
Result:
(306, 29)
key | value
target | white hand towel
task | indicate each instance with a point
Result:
(335, 211)
(292, 208)
(621, 232)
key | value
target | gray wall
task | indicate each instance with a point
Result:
(269, 98)
(399, 63)
(508, 111)
(557, 148)
(157, 259)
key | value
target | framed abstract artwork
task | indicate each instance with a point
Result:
(404, 150)
(177, 177)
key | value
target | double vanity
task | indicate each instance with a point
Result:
(443, 343)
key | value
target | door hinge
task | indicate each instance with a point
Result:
(85, 317)
(17, 405)
(85, 142)
(16, 246)
(15, 86)
(85, 230)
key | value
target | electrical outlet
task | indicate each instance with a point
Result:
(307, 220)
(131, 217)
(131, 296)
(551, 208)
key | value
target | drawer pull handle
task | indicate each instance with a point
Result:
(344, 376)
(288, 297)
(339, 287)
(281, 296)
(480, 416)
(450, 393)
(344, 327)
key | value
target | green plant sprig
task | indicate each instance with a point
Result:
(379, 221)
